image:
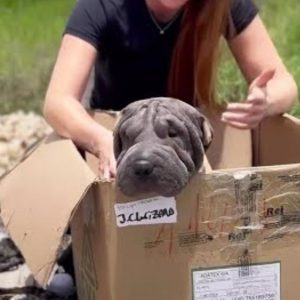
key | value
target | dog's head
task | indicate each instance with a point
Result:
(159, 144)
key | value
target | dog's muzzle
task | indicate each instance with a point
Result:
(151, 169)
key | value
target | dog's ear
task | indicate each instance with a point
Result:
(207, 131)
(117, 133)
(202, 125)
(124, 115)
(117, 141)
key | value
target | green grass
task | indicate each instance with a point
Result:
(30, 33)
(283, 23)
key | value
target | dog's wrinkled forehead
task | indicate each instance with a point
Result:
(155, 112)
(163, 118)
(136, 117)
(156, 105)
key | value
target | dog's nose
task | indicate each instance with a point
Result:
(143, 168)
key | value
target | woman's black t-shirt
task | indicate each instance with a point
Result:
(134, 58)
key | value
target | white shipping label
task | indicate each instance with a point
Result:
(260, 282)
(156, 210)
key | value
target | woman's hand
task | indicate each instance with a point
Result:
(271, 93)
(249, 114)
(105, 154)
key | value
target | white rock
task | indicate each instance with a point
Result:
(3, 234)
(19, 297)
(18, 131)
(18, 278)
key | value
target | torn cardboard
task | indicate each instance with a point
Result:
(37, 200)
(235, 235)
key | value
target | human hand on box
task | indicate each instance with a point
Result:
(249, 114)
(105, 154)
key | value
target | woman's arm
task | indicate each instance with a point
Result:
(63, 110)
(272, 89)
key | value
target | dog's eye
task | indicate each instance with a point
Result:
(172, 133)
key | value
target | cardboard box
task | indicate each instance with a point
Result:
(231, 234)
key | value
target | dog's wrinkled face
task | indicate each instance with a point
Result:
(159, 145)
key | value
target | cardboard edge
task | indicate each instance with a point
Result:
(291, 118)
(27, 153)
(270, 168)
(266, 136)
(256, 138)
(68, 223)
(18, 218)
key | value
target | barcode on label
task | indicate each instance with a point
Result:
(261, 282)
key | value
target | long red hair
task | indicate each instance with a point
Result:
(193, 68)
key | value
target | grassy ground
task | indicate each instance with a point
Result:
(30, 32)
(283, 23)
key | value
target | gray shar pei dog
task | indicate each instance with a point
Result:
(159, 144)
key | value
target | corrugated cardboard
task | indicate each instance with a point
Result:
(38, 198)
(277, 141)
(245, 219)
(230, 148)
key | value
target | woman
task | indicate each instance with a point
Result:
(146, 48)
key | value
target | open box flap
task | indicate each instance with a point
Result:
(231, 147)
(37, 200)
(277, 141)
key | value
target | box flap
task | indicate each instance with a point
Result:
(231, 147)
(38, 199)
(107, 118)
(277, 141)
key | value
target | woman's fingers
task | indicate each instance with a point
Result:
(104, 169)
(107, 169)
(263, 79)
(106, 173)
(107, 162)
(254, 106)
(245, 115)
(256, 94)
(249, 114)
(238, 125)
(239, 107)
(241, 117)
(242, 122)
(113, 167)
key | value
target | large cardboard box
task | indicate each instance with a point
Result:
(232, 234)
